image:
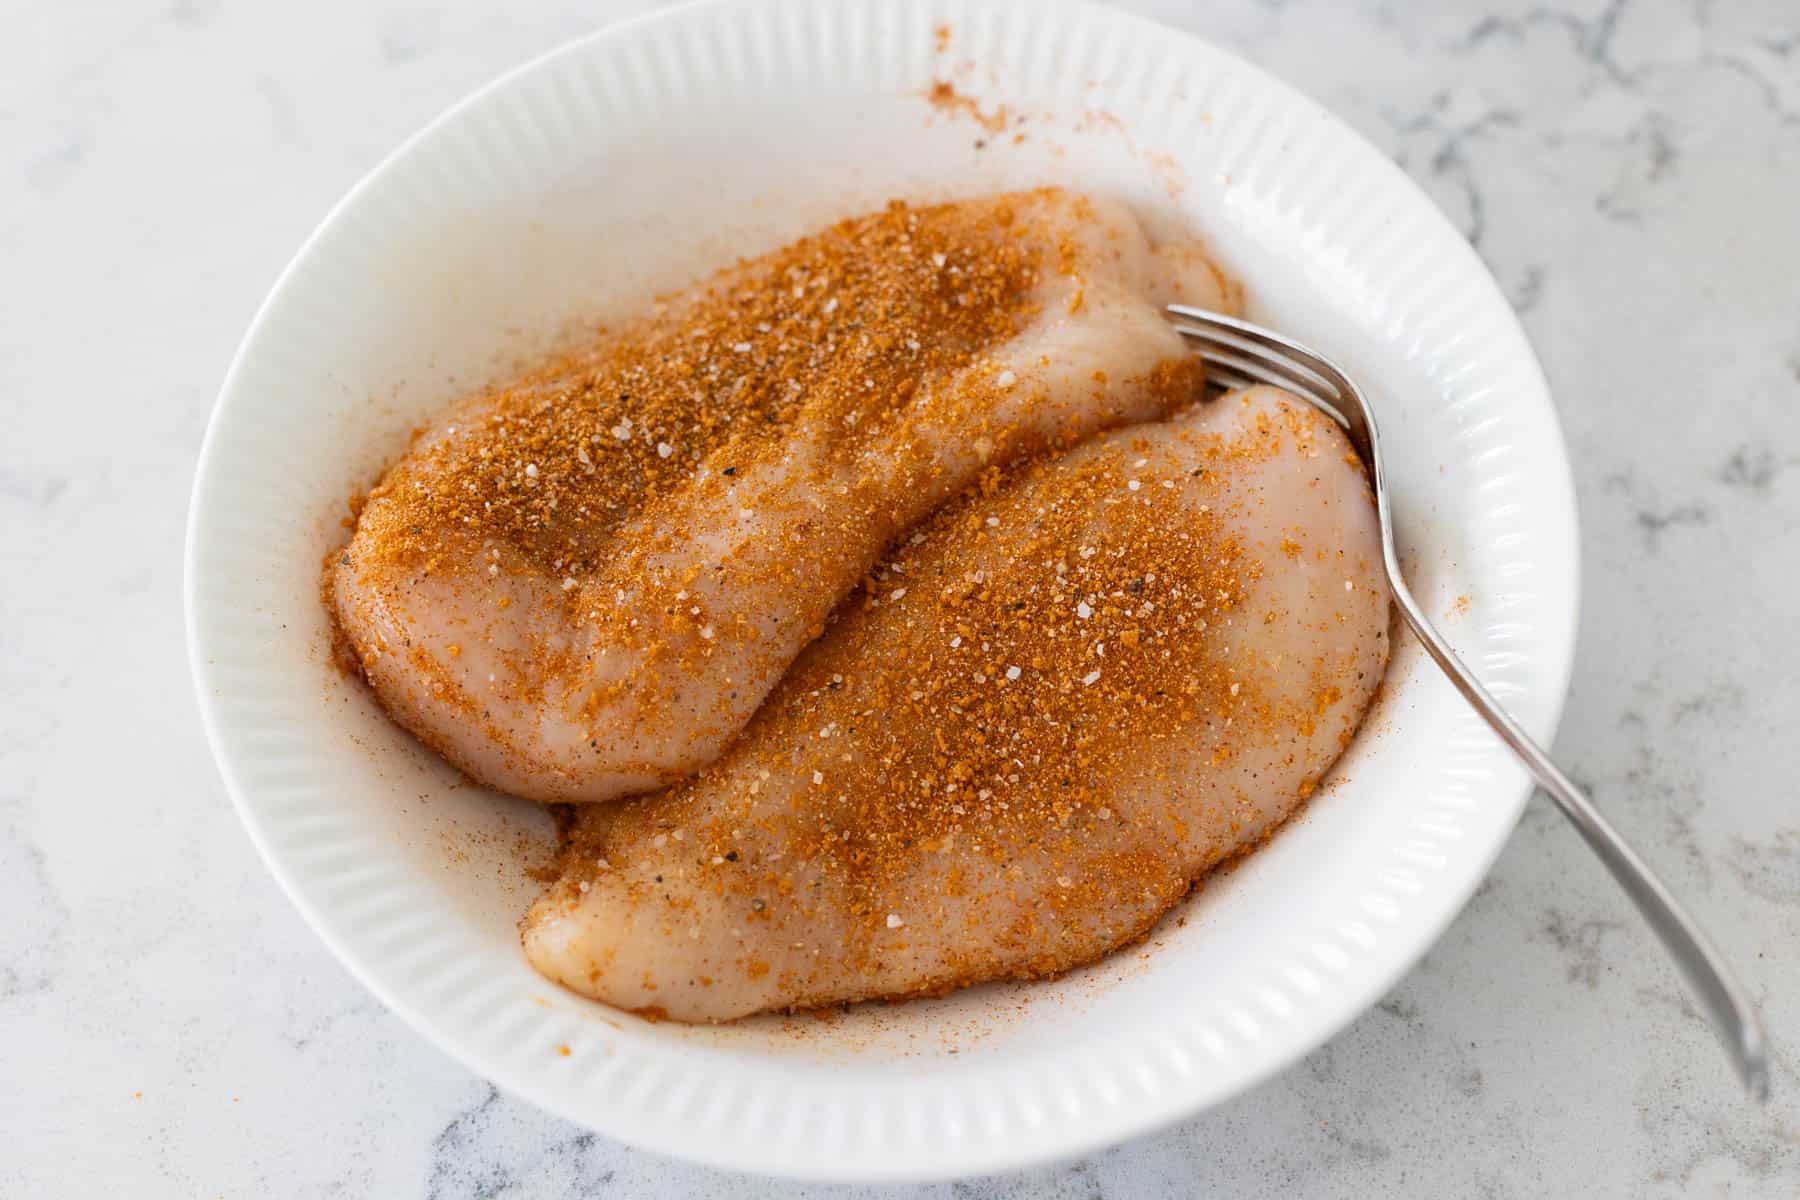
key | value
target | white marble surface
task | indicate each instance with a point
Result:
(1629, 168)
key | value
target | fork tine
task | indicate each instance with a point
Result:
(1225, 378)
(1221, 346)
(1262, 371)
(1242, 335)
(1246, 370)
(1262, 357)
(1247, 336)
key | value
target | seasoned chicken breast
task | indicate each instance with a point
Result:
(1035, 726)
(583, 586)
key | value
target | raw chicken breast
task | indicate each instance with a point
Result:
(584, 585)
(1060, 703)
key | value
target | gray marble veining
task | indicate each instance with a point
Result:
(1629, 169)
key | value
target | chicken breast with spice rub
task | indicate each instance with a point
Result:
(582, 586)
(1056, 707)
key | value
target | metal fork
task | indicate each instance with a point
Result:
(1239, 354)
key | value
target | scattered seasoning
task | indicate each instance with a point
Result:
(946, 99)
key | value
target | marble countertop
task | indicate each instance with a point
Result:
(1630, 170)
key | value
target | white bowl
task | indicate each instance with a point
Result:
(629, 162)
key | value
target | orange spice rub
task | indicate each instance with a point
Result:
(826, 331)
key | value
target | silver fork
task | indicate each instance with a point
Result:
(1239, 354)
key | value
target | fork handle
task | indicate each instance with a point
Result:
(1733, 1016)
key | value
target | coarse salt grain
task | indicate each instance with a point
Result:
(818, 778)
(894, 921)
(1005, 379)
(531, 471)
(897, 594)
(708, 632)
(1090, 678)
(1084, 610)
(1013, 672)
(663, 449)
(1134, 485)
